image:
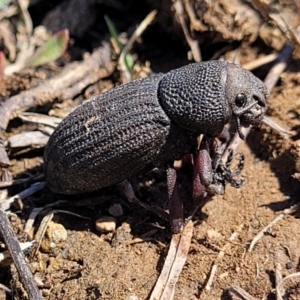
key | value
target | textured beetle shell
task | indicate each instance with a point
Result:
(144, 124)
(198, 102)
(112, 137)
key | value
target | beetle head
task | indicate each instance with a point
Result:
(246, 95)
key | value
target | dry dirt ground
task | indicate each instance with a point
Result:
(126, 263)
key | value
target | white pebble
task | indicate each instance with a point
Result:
(106, 224)
(55, 237)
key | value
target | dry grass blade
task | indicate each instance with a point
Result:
(24, 246)
(4, 288)
(41, 231)
(23, 4)
(10, 11)
(45, 222)
(281, 64)
(5, 205)
(278, 287)
(174, 262)
(36, 211)
(9, 40)
(72, 80)
(260, 61)
(40, 119)
(266, 228)
(241, 293)
(137, 33)
(278, 276)
(5, 184)
(278, 128)
(196, 24)
(26, 47)
(32, 139)
(271, 14)
(194, 44)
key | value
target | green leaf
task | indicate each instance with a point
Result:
(51, 50)
(113, 32)
(2, 3)
(129, 62)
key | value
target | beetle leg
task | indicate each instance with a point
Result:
(217, 150)
(174, 202)
(202, 188)
(209, 178)
(222, 173)
(225, 175)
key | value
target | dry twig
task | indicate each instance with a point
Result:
(45, 222)
(24, 246)
(137, 33)
(265, 229)
(194, 44)
(278, 286)
(260, 61)
(278, 277)
(241, 293)
(5, 205)
(72, 80)
(18, 257)
(165, 285)
(4, 288)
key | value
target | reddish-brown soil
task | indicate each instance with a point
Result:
(126, 263)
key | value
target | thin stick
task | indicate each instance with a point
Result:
(4, 184)
(265, 229)
(278, 286)
(22, 195)
(24, 246)
(137, 33)
(45, 222)
(260, 61)
(194, 44)
(238, 291)
(174, 262)
(18, 257)
(69, 83)
(278, 277)
(6, 289)
(279, 67)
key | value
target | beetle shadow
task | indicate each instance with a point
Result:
(282, 165)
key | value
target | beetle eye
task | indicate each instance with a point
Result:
(240, 100)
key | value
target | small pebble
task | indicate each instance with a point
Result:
(46, 292)
(55, 237)
(273, 190)
(289, 265)
(255, 223)
(116, 210)
(106, 224)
